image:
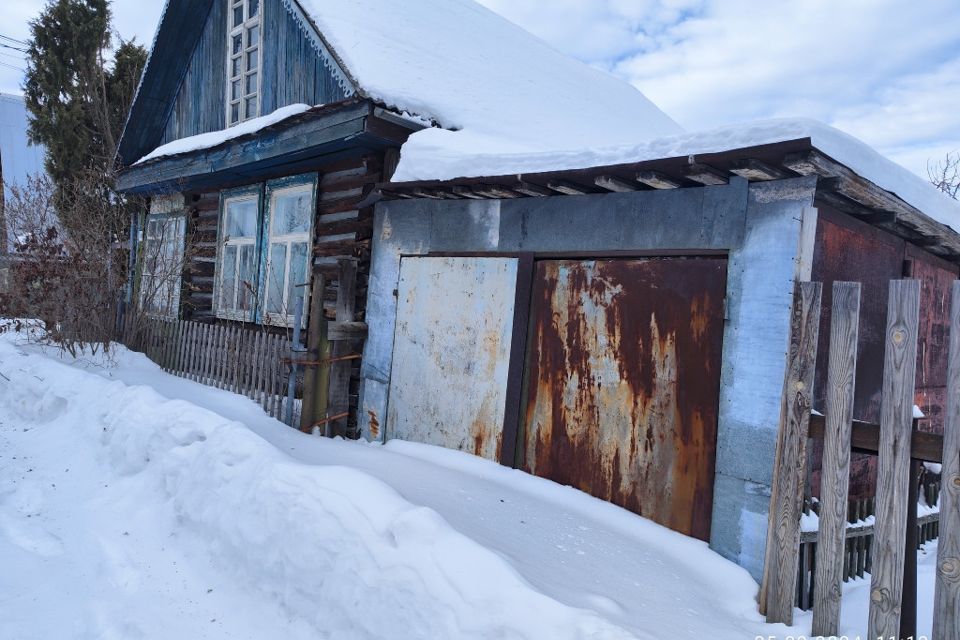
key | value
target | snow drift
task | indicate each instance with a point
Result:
(380, 566)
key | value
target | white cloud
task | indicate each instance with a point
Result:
(886, 71)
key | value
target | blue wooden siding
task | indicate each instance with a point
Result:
(292, 70)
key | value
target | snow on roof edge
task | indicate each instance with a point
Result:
(435, 155)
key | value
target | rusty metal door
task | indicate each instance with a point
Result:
(451, 352)
(623, 378)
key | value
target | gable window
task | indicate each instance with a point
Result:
(243, 62)
(162, 255)
(263, 263)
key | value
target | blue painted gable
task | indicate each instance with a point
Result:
(183, 90)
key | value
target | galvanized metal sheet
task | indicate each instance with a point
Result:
(623, 383)
(451, 352)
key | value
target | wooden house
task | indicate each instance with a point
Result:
(520, 287)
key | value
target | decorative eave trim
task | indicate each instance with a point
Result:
(327, 54)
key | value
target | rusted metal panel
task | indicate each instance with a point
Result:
(451, 352)
(623, 383)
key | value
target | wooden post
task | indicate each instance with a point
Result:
(946, 610)
(339, 401)
(893, 469)
(835, 474)
(908, 615)
(789, 471)
(314, 399)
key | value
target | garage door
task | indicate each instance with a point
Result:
(452, 352)
(622, 379)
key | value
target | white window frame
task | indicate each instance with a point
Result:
(223, 242)
(289, 239)
(243, 30)
(173, 227)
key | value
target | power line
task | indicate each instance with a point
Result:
(3, 37)
(10, 66)
(7, 46)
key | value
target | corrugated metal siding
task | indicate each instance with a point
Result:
(623, 383)
(452, 352)
(293, 72)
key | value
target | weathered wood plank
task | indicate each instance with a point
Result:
(756, 170)
(783, 540)
(615, 184)
(346, 331)
(946, 611)
(705, 174)
(568, 188)
(865, 438)
(893, 469)
(657, 180)
(835, 474)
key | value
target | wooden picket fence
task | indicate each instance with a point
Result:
(251, 362)
(901, 449)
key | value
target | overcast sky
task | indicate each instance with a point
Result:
(887, 71)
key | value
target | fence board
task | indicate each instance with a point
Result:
(946, 617)
(893, 468)
(834, 487)
(783, 540)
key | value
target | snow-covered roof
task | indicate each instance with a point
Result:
(490, 85)
(421, 163)
(18, 158)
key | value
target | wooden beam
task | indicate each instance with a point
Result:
(615, 184)
(757, 171)
(866, 193)
(568, 188)
(783, 536)
(893, 468)
(346, 331)
(865, 438)
(316, 380)
(467, 192)
(705, 174)
(835, 474)
(657, 180)
(530, 189)
(423, 193)
(340, 369)
(946, 601)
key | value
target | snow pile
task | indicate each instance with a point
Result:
(214, 138)
(337, 547)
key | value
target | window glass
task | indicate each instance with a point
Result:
(299, 254)
(234, 113)
(276, 269)
(254, 8)
(251, 107)
(237, 43)
(248, 278)
(253, 36)
(238, 16)
(228, 283)
(251, 84)
(252, 57)
(241, 219)
(291, 213)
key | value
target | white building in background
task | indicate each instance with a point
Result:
(18, 158)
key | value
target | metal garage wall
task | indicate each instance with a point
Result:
(452, 352)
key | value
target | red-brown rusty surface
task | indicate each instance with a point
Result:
(623, 383)
(847, 249)
(936, 278)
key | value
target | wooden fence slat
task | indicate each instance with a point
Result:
(208, 355)
(257, 367)
(946, 611)
(171, 345)
(178, 363)
(235, 361)
(835, 474)
(221, 356)
(783, 539)
(204, 355)
(194, 350)
(274, 374)
(893, 467)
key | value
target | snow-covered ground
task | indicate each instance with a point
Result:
(134, 504)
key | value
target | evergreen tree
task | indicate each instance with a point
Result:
(77, 97)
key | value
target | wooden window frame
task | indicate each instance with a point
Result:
(275, 188)
(241, 194)
(179, 220)
(243, 30)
